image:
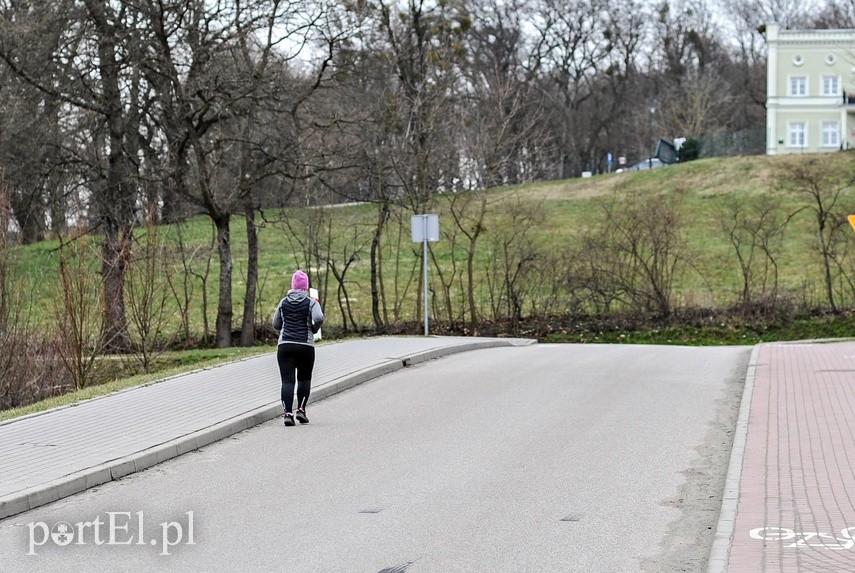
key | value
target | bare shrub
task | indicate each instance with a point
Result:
(29, 369)
(35, 371)
(80, 330)
(823, 193)
(635, 254)
(468, 211)
(402, 276)
(592, 277)
(448, 275)
(755, 227)
(339, 260)
(512, 255)
(195, 268)
(147, 299)
(550, 295)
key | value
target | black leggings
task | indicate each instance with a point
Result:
(299, 358)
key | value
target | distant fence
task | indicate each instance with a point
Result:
(745, 142)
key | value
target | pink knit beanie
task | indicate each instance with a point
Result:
(299, 281)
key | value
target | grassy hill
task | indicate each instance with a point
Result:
(558, 215)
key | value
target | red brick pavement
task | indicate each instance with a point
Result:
(796, 509)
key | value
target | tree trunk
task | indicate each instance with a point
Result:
(29, 214)
(174, 189)
(247, 331)
(383, 216)
(116, 197)
(826, 263)
(114, 264)
(224, 307)
(57, 207)
(470, 282)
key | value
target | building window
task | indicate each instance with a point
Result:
(830, 134)
(831, 85)
(830, 59)
(798, 86)
(798, 134)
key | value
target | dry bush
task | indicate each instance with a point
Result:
(634, 256)
(755, 227)
(824, 196)
(30, 369)
(147, 297)
(78, 320)
(512, 270)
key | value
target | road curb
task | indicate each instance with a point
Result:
(727, 516)
(77, 482)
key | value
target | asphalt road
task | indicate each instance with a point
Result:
(540, 458)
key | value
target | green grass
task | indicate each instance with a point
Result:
(719, 334)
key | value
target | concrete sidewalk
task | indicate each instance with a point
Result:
(51, 455)
(789, 503)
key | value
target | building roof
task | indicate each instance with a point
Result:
(783, 36)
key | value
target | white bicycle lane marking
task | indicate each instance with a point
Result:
(804, 538)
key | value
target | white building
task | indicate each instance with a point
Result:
(810, 90)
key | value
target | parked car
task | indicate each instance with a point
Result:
(645, 164)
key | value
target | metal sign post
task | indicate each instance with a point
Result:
(425, 228)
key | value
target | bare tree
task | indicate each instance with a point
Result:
(404, 271)
(749, 70)
(88, 62)
(308, 232)
(468, 211)
(744, 23)
(574, 50)
(359, 145)
(199, 100)
(26, 148)
(221, 69)
(394, 139)
(822, 194)
(755, 229)
(835, 15)
(264, 152)
(501, 119)
(424, 43)
(701, 104)
(755, 14)
(693, 96)
(339, 261)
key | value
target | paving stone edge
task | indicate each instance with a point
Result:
(77, 482)
(727, 516)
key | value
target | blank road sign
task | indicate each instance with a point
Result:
(420, 229)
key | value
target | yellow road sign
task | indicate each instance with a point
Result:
(852, 220)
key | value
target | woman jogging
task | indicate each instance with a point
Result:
(297, 318)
